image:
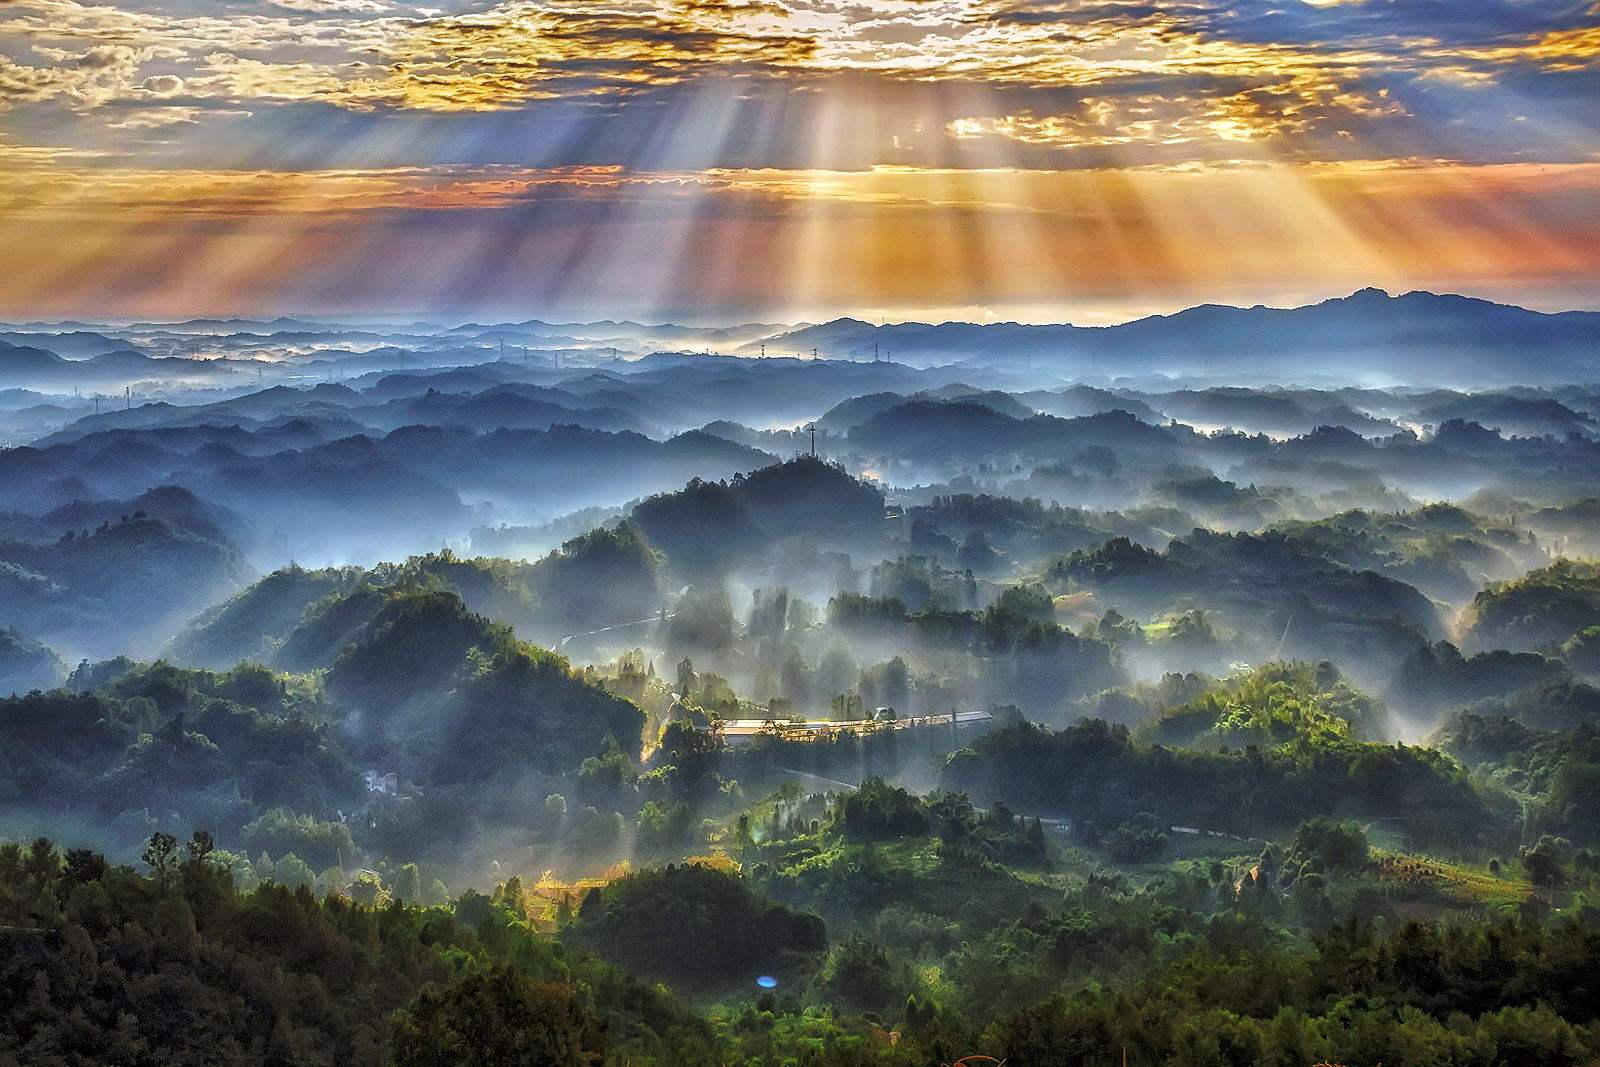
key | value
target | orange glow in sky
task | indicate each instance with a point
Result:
(1087, 160)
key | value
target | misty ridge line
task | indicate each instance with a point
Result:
(750, 336)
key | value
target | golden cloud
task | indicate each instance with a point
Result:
(516, 51)
(1119, 76)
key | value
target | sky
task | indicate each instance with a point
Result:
(779, 160)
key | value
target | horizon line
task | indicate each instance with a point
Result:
(458, 320)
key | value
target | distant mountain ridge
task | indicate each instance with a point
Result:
(1415, 337)
(1368, 338)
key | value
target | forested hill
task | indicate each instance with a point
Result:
(99, 964)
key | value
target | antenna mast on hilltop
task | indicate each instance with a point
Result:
(812, 430)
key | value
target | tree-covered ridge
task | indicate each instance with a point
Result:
(426, 690)
(226, 745)
(604, 576)
(122, 583)
(1262, 595)
(408, 650)
(1098, 772)
(700, 925)
(1437, 677)
(1272, 706)
(299, 619)
(1555, 774)
(710, 526)
(264, 622)
(252, 624)
(27, 664)
(1036, 660)
(1551, 604)
(1444, 550)
(1028, 529)
(516, 707)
